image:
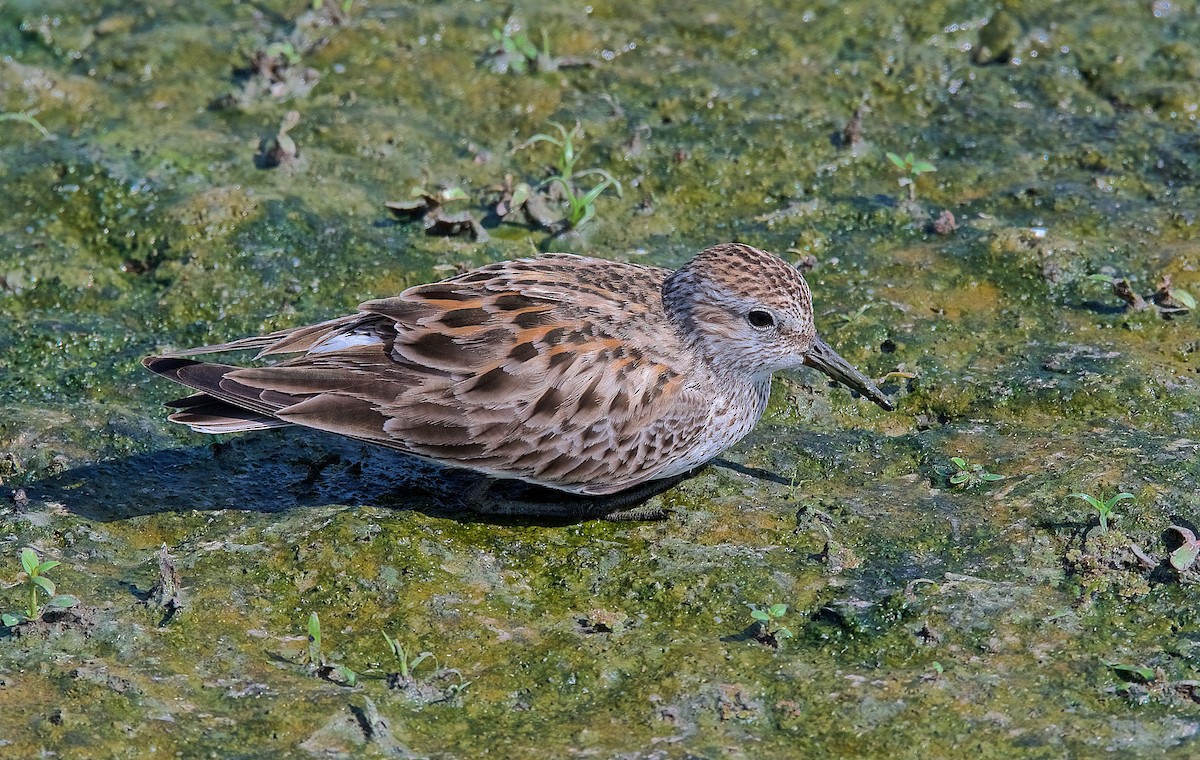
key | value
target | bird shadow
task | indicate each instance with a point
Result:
(275, 471)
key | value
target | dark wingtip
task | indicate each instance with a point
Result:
(167, 366)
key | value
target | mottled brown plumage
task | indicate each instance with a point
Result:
(584, 375)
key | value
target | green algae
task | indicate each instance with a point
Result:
(1064, 138)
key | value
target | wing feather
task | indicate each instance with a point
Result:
(532, 369)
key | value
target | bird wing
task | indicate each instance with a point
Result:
(559, 370)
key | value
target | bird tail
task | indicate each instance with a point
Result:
(223, 405)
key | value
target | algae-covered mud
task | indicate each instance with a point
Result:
(845, 582)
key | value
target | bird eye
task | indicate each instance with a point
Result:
(760, 318)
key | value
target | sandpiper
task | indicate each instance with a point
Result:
(584, 375)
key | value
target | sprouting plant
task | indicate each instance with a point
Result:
(858, 316)
(516, 52)
(770, 622)
(581, 207)
(35, 581)
(317, 660)
(565, 142)
(407, 666)
(912, 169)
(1104, 509)
(970, 475)
(285, 50)
(794, 485)
(314, 640)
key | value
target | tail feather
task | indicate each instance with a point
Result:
(205, 414)
(223, 404)
(288, 341)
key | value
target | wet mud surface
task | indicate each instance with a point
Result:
(214, 170)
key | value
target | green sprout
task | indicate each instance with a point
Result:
(970, 475)
(581, 207)
(1104, 509)
(407, 666)
(565, 142)
(770, 625)
(284, 50)
(912, 168)
(314, 640)
(516, 52)
(317, 660)
(35, 581)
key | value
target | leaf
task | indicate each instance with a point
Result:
(921, 167)
(760, 616)
(1090, 500)
(783, 633)
(454, 194)
(959, 477)
(418, 660)
(899, 162)
(1183, 297)
(348, 674)
(45, 584)
(10, 619)
(1133, 673)
(1123, 495)
(959, 462)
(29, 560)
(1185, 556)
(991, 477)
(392, 644)
(777, 610)
(520, 194)
(525, 46)
(63, 601)
(314, 639)
(47, 566)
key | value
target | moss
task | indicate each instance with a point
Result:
(146, 224)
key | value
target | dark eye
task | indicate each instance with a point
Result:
(761, 319)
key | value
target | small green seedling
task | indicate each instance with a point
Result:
(581, 207)
(314, 640)
(283, 50)
(858, 316)
(516, 52)
(970, 475)
(912, 169)
(770, 625)
(1104, 509)
(35, 581)
(407, 666)
(317, 660)
(565, 142)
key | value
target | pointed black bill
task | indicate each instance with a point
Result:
(824, 358)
